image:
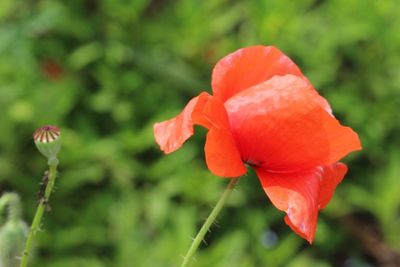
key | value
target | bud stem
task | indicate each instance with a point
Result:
(43, 202)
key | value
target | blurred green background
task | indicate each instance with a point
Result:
(106, 70)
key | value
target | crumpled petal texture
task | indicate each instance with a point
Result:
(281, 124)
(301, 194)
(247, 67)
(264, 112)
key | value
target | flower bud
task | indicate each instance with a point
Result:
(13, 230)
(48, 141)
(12, 239)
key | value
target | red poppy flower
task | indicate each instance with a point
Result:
(264, 112)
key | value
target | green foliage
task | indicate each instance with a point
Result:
(105, 71)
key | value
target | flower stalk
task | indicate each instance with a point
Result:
(210, 220)
(43, 204)
(48, 142)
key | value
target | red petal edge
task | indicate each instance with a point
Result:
(302, 194)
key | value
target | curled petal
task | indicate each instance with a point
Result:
(280, 124)
(302, 194)
(222, 156)
(171, 134)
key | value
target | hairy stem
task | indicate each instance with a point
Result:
(210, 220)
(43, 202)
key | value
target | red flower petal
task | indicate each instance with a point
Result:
(249, 66)
(333, 175)
(171, 134)
(302, 194)
(281, 125)
(222, 155)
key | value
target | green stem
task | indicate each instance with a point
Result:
(43, 202)
(210, 220)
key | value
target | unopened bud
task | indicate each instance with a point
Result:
(48, 141)
(12, 239)
(13, 231)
